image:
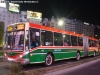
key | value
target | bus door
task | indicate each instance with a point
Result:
(27, 44)
(85, 45)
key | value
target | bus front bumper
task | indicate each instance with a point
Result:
(18, 61)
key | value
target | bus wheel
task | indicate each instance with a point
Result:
(48, 60)
(94, 54)
(78, 56)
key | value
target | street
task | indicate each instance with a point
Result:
(90, 68)
(69, 71)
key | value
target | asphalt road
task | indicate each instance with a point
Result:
(62, 62)
(4, 65)
(90, 68)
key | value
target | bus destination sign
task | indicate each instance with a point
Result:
(15, 27)
(10, 28)
(20, 26)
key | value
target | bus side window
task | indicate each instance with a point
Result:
(46, 38)
(66, 44)
(67, 41)
(74, 40)
(58, 39)
(80, 41)
(34, 37)
(90, 43)
(96, 44)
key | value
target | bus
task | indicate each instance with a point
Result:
(29, 43)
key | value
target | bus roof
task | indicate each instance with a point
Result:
(91, 38)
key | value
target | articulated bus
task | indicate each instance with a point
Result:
(28, 43)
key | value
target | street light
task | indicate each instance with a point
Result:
(60, 22)
(95, 35)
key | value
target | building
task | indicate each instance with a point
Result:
(72, 25)
(11, 15)
(23, 17)
(30, 16)
(8, 17)
(1, 33)
(88, 29)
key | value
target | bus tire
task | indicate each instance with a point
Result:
(78, 56)
(94, 54)
(48, 60)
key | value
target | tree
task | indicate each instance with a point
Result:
(1, 33)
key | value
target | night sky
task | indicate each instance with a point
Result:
(85, 10)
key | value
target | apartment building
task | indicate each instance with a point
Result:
(88, 30)
(7, 17)
(71, 25)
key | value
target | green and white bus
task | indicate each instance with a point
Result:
(28, 43)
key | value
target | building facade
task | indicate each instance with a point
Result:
(8, 18)
(88, 30)
(72, 25)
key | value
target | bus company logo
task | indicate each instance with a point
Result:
(57, 50)
(42, 50)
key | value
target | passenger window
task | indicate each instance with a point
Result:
(34, 37)
(46, 38)
(58, 39)
(74, 40)
(90, 43)
(67, 41)
(80, 41)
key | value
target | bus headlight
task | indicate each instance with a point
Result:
(20, 56)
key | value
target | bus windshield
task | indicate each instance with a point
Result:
(15, 40)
